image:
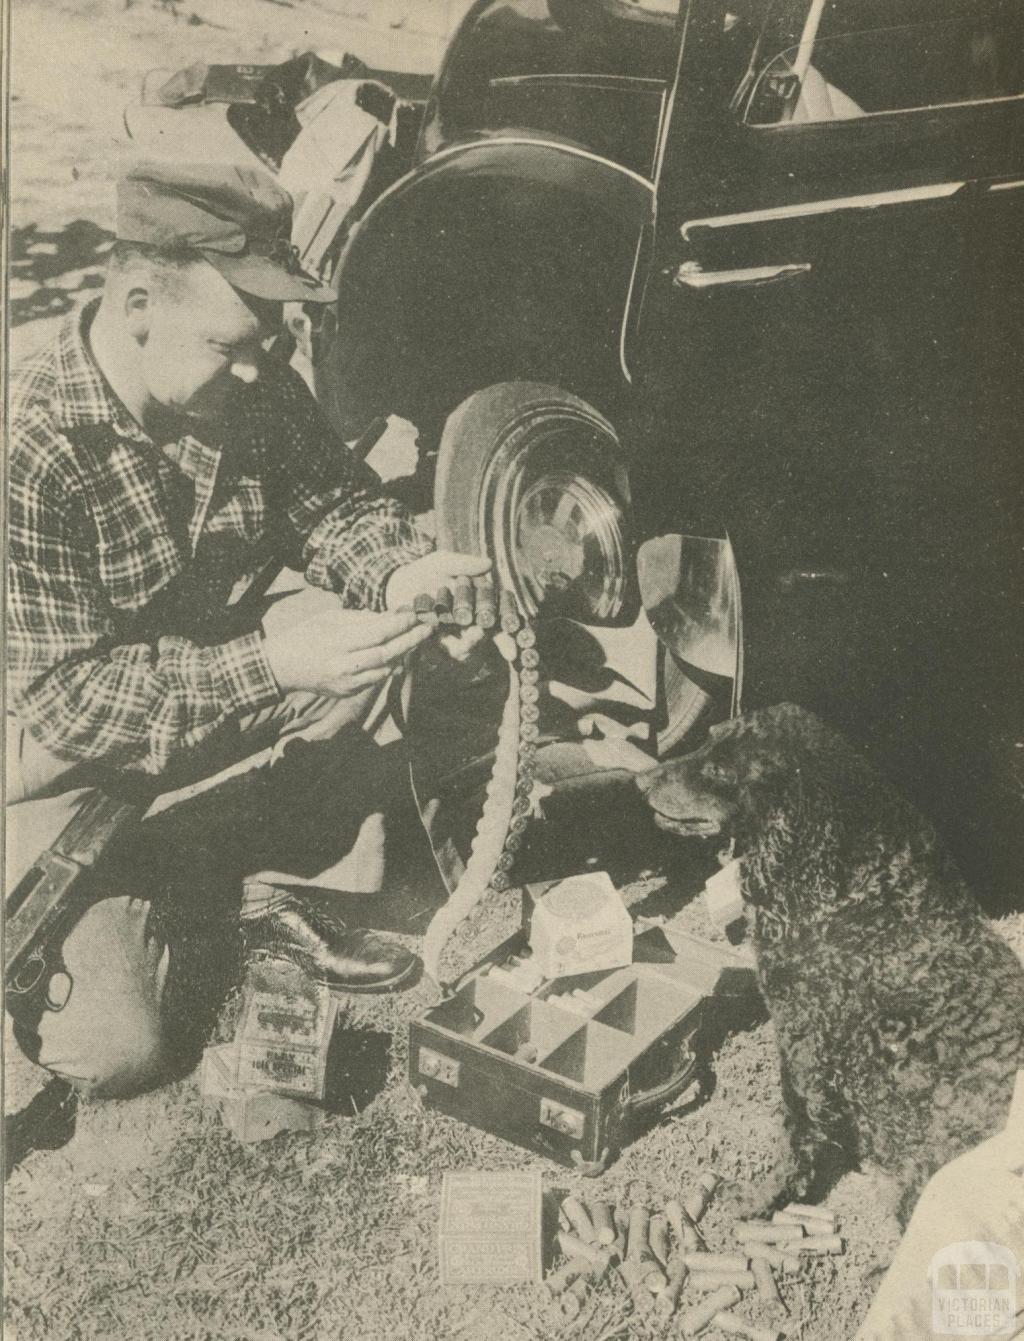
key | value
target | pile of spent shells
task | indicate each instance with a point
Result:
(663, 1256)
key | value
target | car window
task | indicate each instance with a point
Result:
(824, 73)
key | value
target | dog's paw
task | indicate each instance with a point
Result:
(751, 1201)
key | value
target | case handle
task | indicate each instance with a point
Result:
(669, 1089)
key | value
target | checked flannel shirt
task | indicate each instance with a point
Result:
(127, 640)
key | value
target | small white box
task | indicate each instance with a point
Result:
(581, 925)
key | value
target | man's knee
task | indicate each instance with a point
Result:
(102, 1026)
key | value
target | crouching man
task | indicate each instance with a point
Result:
(162, 463)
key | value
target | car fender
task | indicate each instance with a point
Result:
(505, 256)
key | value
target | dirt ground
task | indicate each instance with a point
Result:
(153, 1221)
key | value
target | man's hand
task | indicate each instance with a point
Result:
(434, 574)
(314, 644)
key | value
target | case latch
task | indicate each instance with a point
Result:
(435, 1066)
(568, 1121)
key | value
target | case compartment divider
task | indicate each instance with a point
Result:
(546, 1027)
(476, 1009)
(646, 1007)
(592, 1056)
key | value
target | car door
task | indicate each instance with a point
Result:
(829, 344)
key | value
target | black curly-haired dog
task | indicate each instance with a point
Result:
(899, 1013)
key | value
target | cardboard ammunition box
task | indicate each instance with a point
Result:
(572, 1067)
(283, 1043)
(251, 1114)
(580, 925)
(490, 1228)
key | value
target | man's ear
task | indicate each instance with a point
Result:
(138, 311)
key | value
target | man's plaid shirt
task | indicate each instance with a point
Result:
(125, 644)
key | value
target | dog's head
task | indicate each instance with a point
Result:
(707, 793)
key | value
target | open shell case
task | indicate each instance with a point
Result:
(574, 1068)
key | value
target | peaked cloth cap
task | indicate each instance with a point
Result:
(236, 217)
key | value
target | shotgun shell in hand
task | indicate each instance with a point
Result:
(764, 1279)
(510, 620)
(812, 1215)
(819, 1244)
(697, 1202)
(423, 605)
(486, 613)
(443, 606)
(572, 1246)
(717, 1261)
(575, 1212)
(712, 1280)
(756, 1231)
(676, 1279)
(604, 1227)
(657, 1235)
(734, 1326)
(561, 1279)
(462, 602)
(697, 1318)
(637, 1245)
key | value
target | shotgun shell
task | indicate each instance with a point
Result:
(697, 1318)
(711, 1280)
(674, 1216)
(717, 1262)
(773, 1256)
(734, 1326)
(697, 1202)
(657, 1234)
(604, 1227)
(529, 658)
(820, 1244)
(643, 1300)
(575, 1212)
(784, 1218)
(764, 1279)
(637, 1244)
(578, 1290)
(509, 608)
(560, 1280)
(755, 1231)
(526, 637)
(669, 1297)
(443, 602)
(572, 1246)
(529, 677)
(654, 1277)
(483, 592)
(462, 602)
(812, 1214)
(423, 605)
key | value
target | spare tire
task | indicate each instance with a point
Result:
(538, 479)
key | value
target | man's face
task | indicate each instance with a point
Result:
(203, 342)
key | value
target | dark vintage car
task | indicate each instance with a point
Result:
(746, 268)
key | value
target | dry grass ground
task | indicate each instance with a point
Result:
(153, 1222)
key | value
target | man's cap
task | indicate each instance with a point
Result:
(236, 217)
